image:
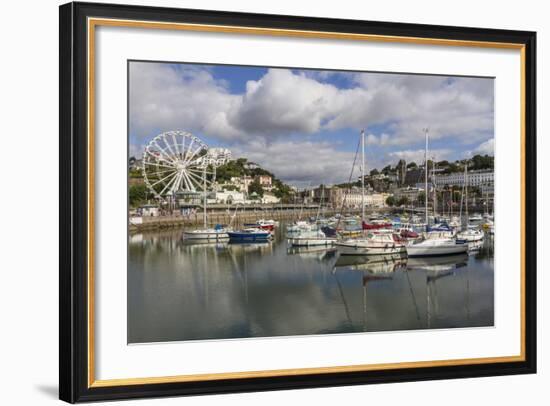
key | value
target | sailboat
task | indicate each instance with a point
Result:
(248, 234)
(377, 241)
(438, 243)
(218, 233)
(472, 232)
(312, 235)
(374, 244)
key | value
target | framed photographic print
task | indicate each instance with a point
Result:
(256, 202)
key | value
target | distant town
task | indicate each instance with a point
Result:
(241, 182)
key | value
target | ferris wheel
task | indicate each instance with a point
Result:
(175, 161)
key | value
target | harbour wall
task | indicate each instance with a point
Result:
(137, 224)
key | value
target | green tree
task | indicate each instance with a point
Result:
(374, 172)
(255, 186)
(137, 195)
(482, 162)
(403, 201)
(390, 201)
(421, 197)
(232, 169)
(135, 174)
(282, 191)
(453, 168)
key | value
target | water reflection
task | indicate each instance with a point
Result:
(321, 254)
(186, 291)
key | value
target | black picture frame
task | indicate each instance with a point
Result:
(74, 200)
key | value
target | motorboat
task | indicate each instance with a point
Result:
(470, 235)
(376, 225)
(325, 236)
(263, 224)
(441, 230)
(408, 235)
(475, 218)
(372, 244)
(454, 222)
(300, 226)
(436, 246)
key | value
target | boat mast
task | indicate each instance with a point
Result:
(466, 185)
(426, 178)
(362, 177)
(320, 201)
(487, 201)
(434, 186)
(451, 208)
(462, 194)
(204, 190)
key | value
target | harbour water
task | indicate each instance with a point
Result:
(181, 291)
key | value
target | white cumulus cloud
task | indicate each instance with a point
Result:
(275, 119)
(284, 102)
(418, 155)
(486, 148)
(301, 163)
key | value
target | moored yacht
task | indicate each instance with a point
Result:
(300, 226)
(470, 235)
(312, 238)
(436, 246)
(263, 224)
(249, 235)
(372, 244)
(206, 234)
(475, 218)
(217, 233)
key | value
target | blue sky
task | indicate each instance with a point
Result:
(304, 125)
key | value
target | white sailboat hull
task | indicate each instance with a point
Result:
(421, 250)
(311, 241)
(470, 237)
(206, 235)
(351, 248)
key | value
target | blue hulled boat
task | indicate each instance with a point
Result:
(249, 235)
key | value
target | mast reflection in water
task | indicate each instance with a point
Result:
(180, 291)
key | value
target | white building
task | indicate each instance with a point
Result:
(475, 178)
(148, 210)
(376, 199)
(411, 193)
(352, 197)
(483, 179)
(268, 198)
(242, 183)
(229, 197)
(217, 156)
